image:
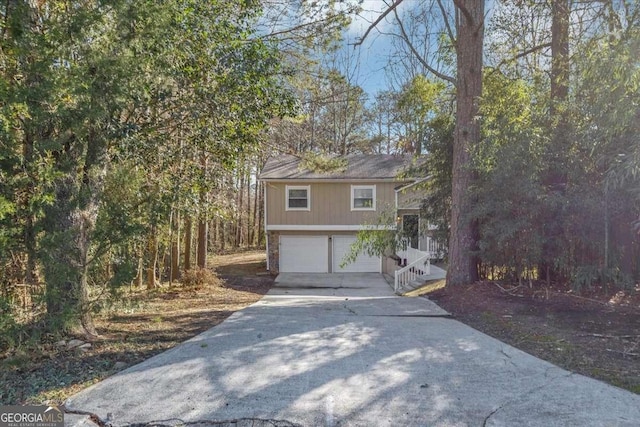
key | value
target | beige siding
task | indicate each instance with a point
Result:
(330, 204)
(410, 198)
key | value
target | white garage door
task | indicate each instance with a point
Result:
(363, 264)
(304, 254)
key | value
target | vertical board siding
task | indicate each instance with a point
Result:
(330, 204)
(411, 198)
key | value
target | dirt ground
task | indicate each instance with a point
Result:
(596, 334)
(141, 325)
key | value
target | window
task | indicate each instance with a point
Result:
(363, 197)
(298, 198)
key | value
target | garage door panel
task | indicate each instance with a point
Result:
(363, 263)
(304, 254)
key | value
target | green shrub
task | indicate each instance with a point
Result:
(8, 326)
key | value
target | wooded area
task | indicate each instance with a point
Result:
(132, 133)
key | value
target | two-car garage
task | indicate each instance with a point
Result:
(312, 254)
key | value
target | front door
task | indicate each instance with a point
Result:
(410, 227)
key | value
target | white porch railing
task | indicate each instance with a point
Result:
(435, 249)
(425, 244)
(417, 264)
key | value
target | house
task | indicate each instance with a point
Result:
(312, 217)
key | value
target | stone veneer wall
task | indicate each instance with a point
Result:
(274, 251)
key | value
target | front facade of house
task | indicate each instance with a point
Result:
(312, 218)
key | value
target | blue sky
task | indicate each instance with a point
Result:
(373, 54)
(378, 47)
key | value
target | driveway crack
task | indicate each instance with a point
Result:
(94, 418)
(491, 414)
(523, 395)
(350, 310)
(509, 359)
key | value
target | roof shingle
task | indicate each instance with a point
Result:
(358, 166)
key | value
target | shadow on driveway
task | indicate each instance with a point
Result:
(351, 355)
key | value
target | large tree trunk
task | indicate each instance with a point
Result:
(560, 11)
(69, 226)
(66, 271)
(463, 265)
(555, 178)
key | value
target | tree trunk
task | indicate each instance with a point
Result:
(86, 319)
(557, 174)
(560, 11)
(29, 228)
(175, 247)
(555, 177)
(202, 243)
(223, 236)
(69, 226)
(152, 249)
(188, 243)
(203, 227)
(625, 242)
(239, 210)
(140, 272)
(463, 265)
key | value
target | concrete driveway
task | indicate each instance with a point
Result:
(343, 350)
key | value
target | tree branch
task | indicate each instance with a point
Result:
(422, 61)
(447, 25)
(295, 28)
(391, 8)
(518, 56)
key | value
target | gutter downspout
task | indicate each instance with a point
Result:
(396, 204)
(266, 233)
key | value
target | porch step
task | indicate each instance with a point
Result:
(437, 273)
(416, 283)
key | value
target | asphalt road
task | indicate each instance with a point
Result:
(343, 350)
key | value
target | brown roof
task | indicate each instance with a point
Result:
(358, 166)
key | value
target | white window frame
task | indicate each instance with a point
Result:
(297, 187)
(363, 187)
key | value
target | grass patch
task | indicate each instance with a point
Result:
(427, 288)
